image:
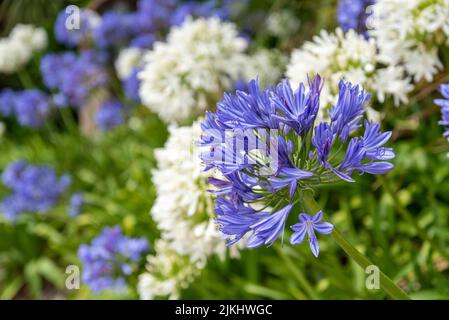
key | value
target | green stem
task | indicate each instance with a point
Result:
(25, 79)
(406, 215)
(298, 275)
(385, 282)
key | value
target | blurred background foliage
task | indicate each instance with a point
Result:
(387, 218)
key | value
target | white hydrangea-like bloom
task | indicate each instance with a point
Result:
(347, 56)
(167, 274)
(34, 37)
(183, 212)
(409, 32)
(127, 60)
(190, 71)
(17, 49)
(282, 23)
(267, 65)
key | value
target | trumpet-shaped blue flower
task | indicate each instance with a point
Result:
(269, 148)
(307, 225)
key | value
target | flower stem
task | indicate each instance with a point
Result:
(385, 282)
(25, 79)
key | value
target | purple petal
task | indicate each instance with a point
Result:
(298, 236)
(316, 218)
(323, 227)
(313, 242)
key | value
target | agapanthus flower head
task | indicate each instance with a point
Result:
(110, 259)
(353, 14)
(74, 77)
(269, 148)
(67, 30)
(32, 108)
(110, 115)
(444, 104)
(115, 29)
(34, 189)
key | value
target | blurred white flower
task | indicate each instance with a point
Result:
(34, 37)
(184, 75)
(128, 59)
(267, 65)
(409, 32)
(349, 56)
(184, 213)
(282, 23)
(18, 48)
(167, 274)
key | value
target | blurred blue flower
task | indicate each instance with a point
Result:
(110, 115)
(444, 104)
(144, 41)
(71, 35)
(74, 77)
(266, 144)
(109, 259)
(115, 29)
(308, 225)
(32, 108)
(352, 14)
(153, 15)
(7, 102)
(76, 204)
(54, 68)
(35, 189)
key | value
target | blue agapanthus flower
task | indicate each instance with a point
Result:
(269, 149)
(307, 225)
(352, 14)
(110, 115)
(115, 29)
(69, 33)
(110, 258)
(73, 76)
(34, 189)
(32, 108)
(444, 104)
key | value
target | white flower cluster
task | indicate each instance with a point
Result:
(18, 48)
(128, 59)
(349, 56)
(184, 214)
(409, 32)
(189, 71)
(282, 23)
(167, 273)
